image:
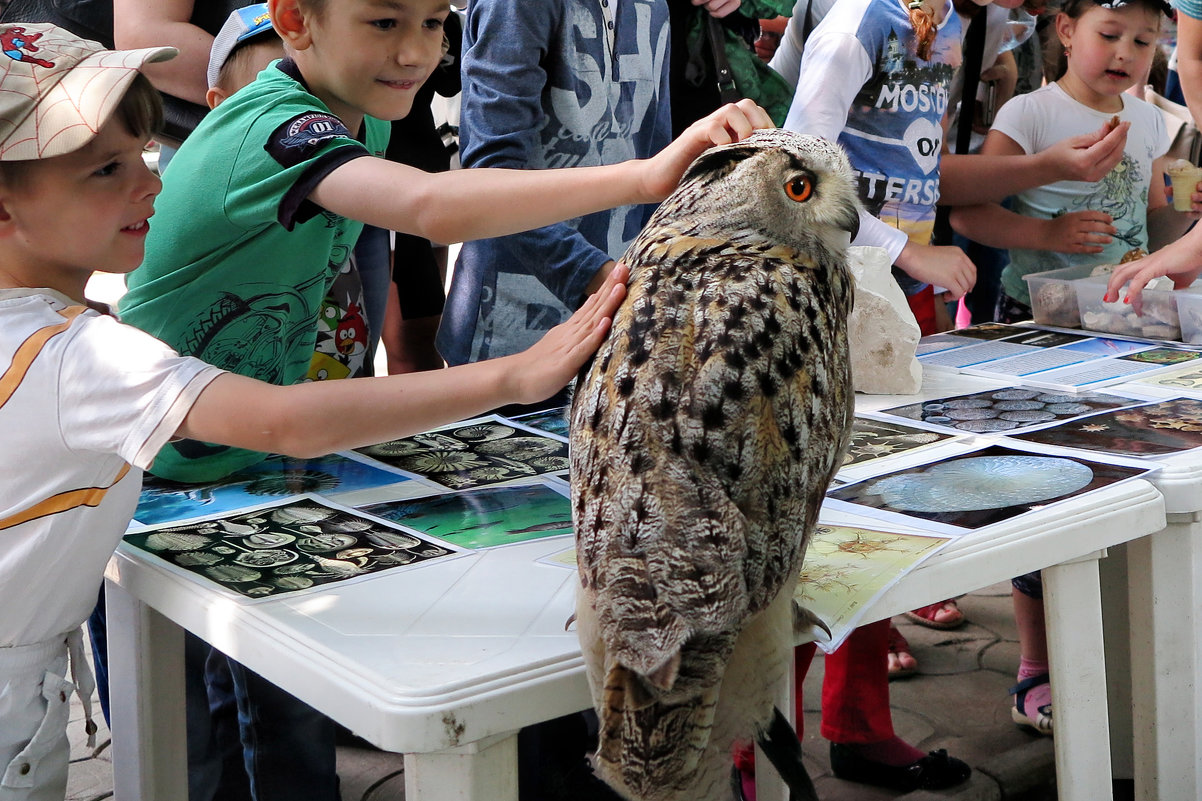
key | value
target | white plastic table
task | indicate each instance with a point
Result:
(1151, 597)
(1157, 724)
(446, 662)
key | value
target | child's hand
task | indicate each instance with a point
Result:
(1179, 260)
(1089, 157)
(547, 365)
(719, 8)
(731, 123)
(1195, 199)
(1078, 232)
(945, 266)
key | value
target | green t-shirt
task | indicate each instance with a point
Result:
(238, 260)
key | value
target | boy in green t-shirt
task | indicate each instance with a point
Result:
(261, 208)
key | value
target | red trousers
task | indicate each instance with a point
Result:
(923, 306)
(855, 689)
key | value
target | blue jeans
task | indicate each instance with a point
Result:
(373, 259)
(248, 740)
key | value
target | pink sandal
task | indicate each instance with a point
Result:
(929, 615)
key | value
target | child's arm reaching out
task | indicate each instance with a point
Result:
(321, 417)
(1076, 232)
(461, 205)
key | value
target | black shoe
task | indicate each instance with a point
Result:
(935, 771)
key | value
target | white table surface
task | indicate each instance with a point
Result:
(1152, 596)
(446, 662)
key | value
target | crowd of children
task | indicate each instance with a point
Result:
(243, 295)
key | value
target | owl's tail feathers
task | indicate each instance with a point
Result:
(780, 744)
(648, 746)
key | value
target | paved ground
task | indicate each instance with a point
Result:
(958, 701)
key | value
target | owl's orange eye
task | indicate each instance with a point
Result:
(799, 188)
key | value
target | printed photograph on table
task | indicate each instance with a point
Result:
(978, 488)
(990, 331)
(485, 517)
(475, 453)
(1156, 429)
(847, 568)
(1163, 356)
(877, 439)
(277, 476)
(1186, 380)
(1006, 409)
(296, 545)
(552, 421)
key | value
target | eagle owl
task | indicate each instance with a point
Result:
(703, 436)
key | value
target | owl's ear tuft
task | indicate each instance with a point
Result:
(718, 162)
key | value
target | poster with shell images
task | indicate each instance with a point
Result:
(1005, 410)
(276, 476)
(1151, 431)
(300, 544)
(975, 489)
(846, 568)
(475, 453)
(485, 517)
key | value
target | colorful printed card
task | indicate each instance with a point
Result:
(475, 453)
(879, 439)
(277, 476)
(976, 489)
(551, 421)
(1156, 429)
(1008, 409)
(300, 544)
(847, 568)
(485, 517)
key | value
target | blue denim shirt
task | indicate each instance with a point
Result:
(547, 83)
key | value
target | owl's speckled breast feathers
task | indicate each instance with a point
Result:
(704, 434)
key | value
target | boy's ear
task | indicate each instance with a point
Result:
(290, 22)
(214, 96)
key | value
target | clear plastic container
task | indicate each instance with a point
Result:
(1189, 310)
(1159, 317)
(1054, 296)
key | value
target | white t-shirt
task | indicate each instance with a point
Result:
(1038, 120)
(85, 404)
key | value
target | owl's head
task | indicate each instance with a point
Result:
(792, 188)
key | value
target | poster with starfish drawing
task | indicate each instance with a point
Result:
(475, 453)
(1008, 409)
(486, 516)
(976, 489)
(878, 439)
(276, 476)
(846, 568)
(1157, 429)
(299, 544)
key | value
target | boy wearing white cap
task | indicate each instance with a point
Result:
(87, 402)
(245, 45)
